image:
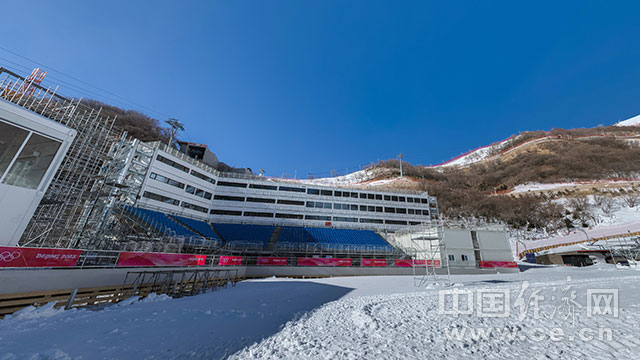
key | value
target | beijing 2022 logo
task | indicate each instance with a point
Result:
(7, 256)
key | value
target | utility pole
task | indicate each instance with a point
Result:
(400, 156)
(175, 126)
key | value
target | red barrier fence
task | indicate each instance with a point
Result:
(277, 261)
(410, 263)
(374, 262)
(324, 262)
(159, 259)
(498, 264)
(38, 257)
(230, 260)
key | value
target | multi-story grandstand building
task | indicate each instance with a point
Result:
(178, 184)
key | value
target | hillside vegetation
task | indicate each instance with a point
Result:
(477, 190)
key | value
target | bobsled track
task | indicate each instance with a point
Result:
(335, 318)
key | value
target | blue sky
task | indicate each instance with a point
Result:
(299, 87)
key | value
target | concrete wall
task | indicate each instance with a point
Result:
(30, 280)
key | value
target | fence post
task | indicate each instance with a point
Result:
(72, 297)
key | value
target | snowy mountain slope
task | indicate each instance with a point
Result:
(634, 121)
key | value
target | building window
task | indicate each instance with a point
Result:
(258, 214)
(345, 219)
(452, 257)
(378, 197)
(261, 200)
(291, 202)
(317, 217)
(231, 184)
(371, 221)
(166, 180)
(390, 210)
(337, 193)
(464, 258)
(172, 163)
(202, 176)
(379, 209)
(292, 189)
(387, 198)
(401, 198)
(313, 191)
(395, 222)
(32, 163)
(289, 216)
(226, 212)
(228, 198)
(11, 138)
(187, 205)
(263, 187)
(401, 211)
(410, 199)
(161, 198)
(411, 211)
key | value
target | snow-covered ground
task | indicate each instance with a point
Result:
(350, 318)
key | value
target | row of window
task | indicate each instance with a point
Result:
(175, 202)
(463, 257)
(166, 180)
(189, 189)
(326, 205)
(174, 164)
(323, 192)
(310, 217)
(187, 205)
(370, 208)
(348, 194)
(198, 192)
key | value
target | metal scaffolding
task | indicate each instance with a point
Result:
(431, 260)
(55, 221)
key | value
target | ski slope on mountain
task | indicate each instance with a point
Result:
(335, 318)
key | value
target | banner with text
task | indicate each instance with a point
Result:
(38, 257)
(498, 264)
(230, 260)
(159, 259)
(268, 260)
(324, 262)
(410, 263)
(374, 262)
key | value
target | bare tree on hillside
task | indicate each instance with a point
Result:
(604, 202)
(631, 199)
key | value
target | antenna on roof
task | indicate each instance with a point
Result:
(175, 126)
(400, 157)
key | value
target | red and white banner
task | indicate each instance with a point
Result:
(498, 264)
(374, 262)
(278, 261)
(324, 262)
(38, 257)
(159, 259)
(410, 263)
(230, 260)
